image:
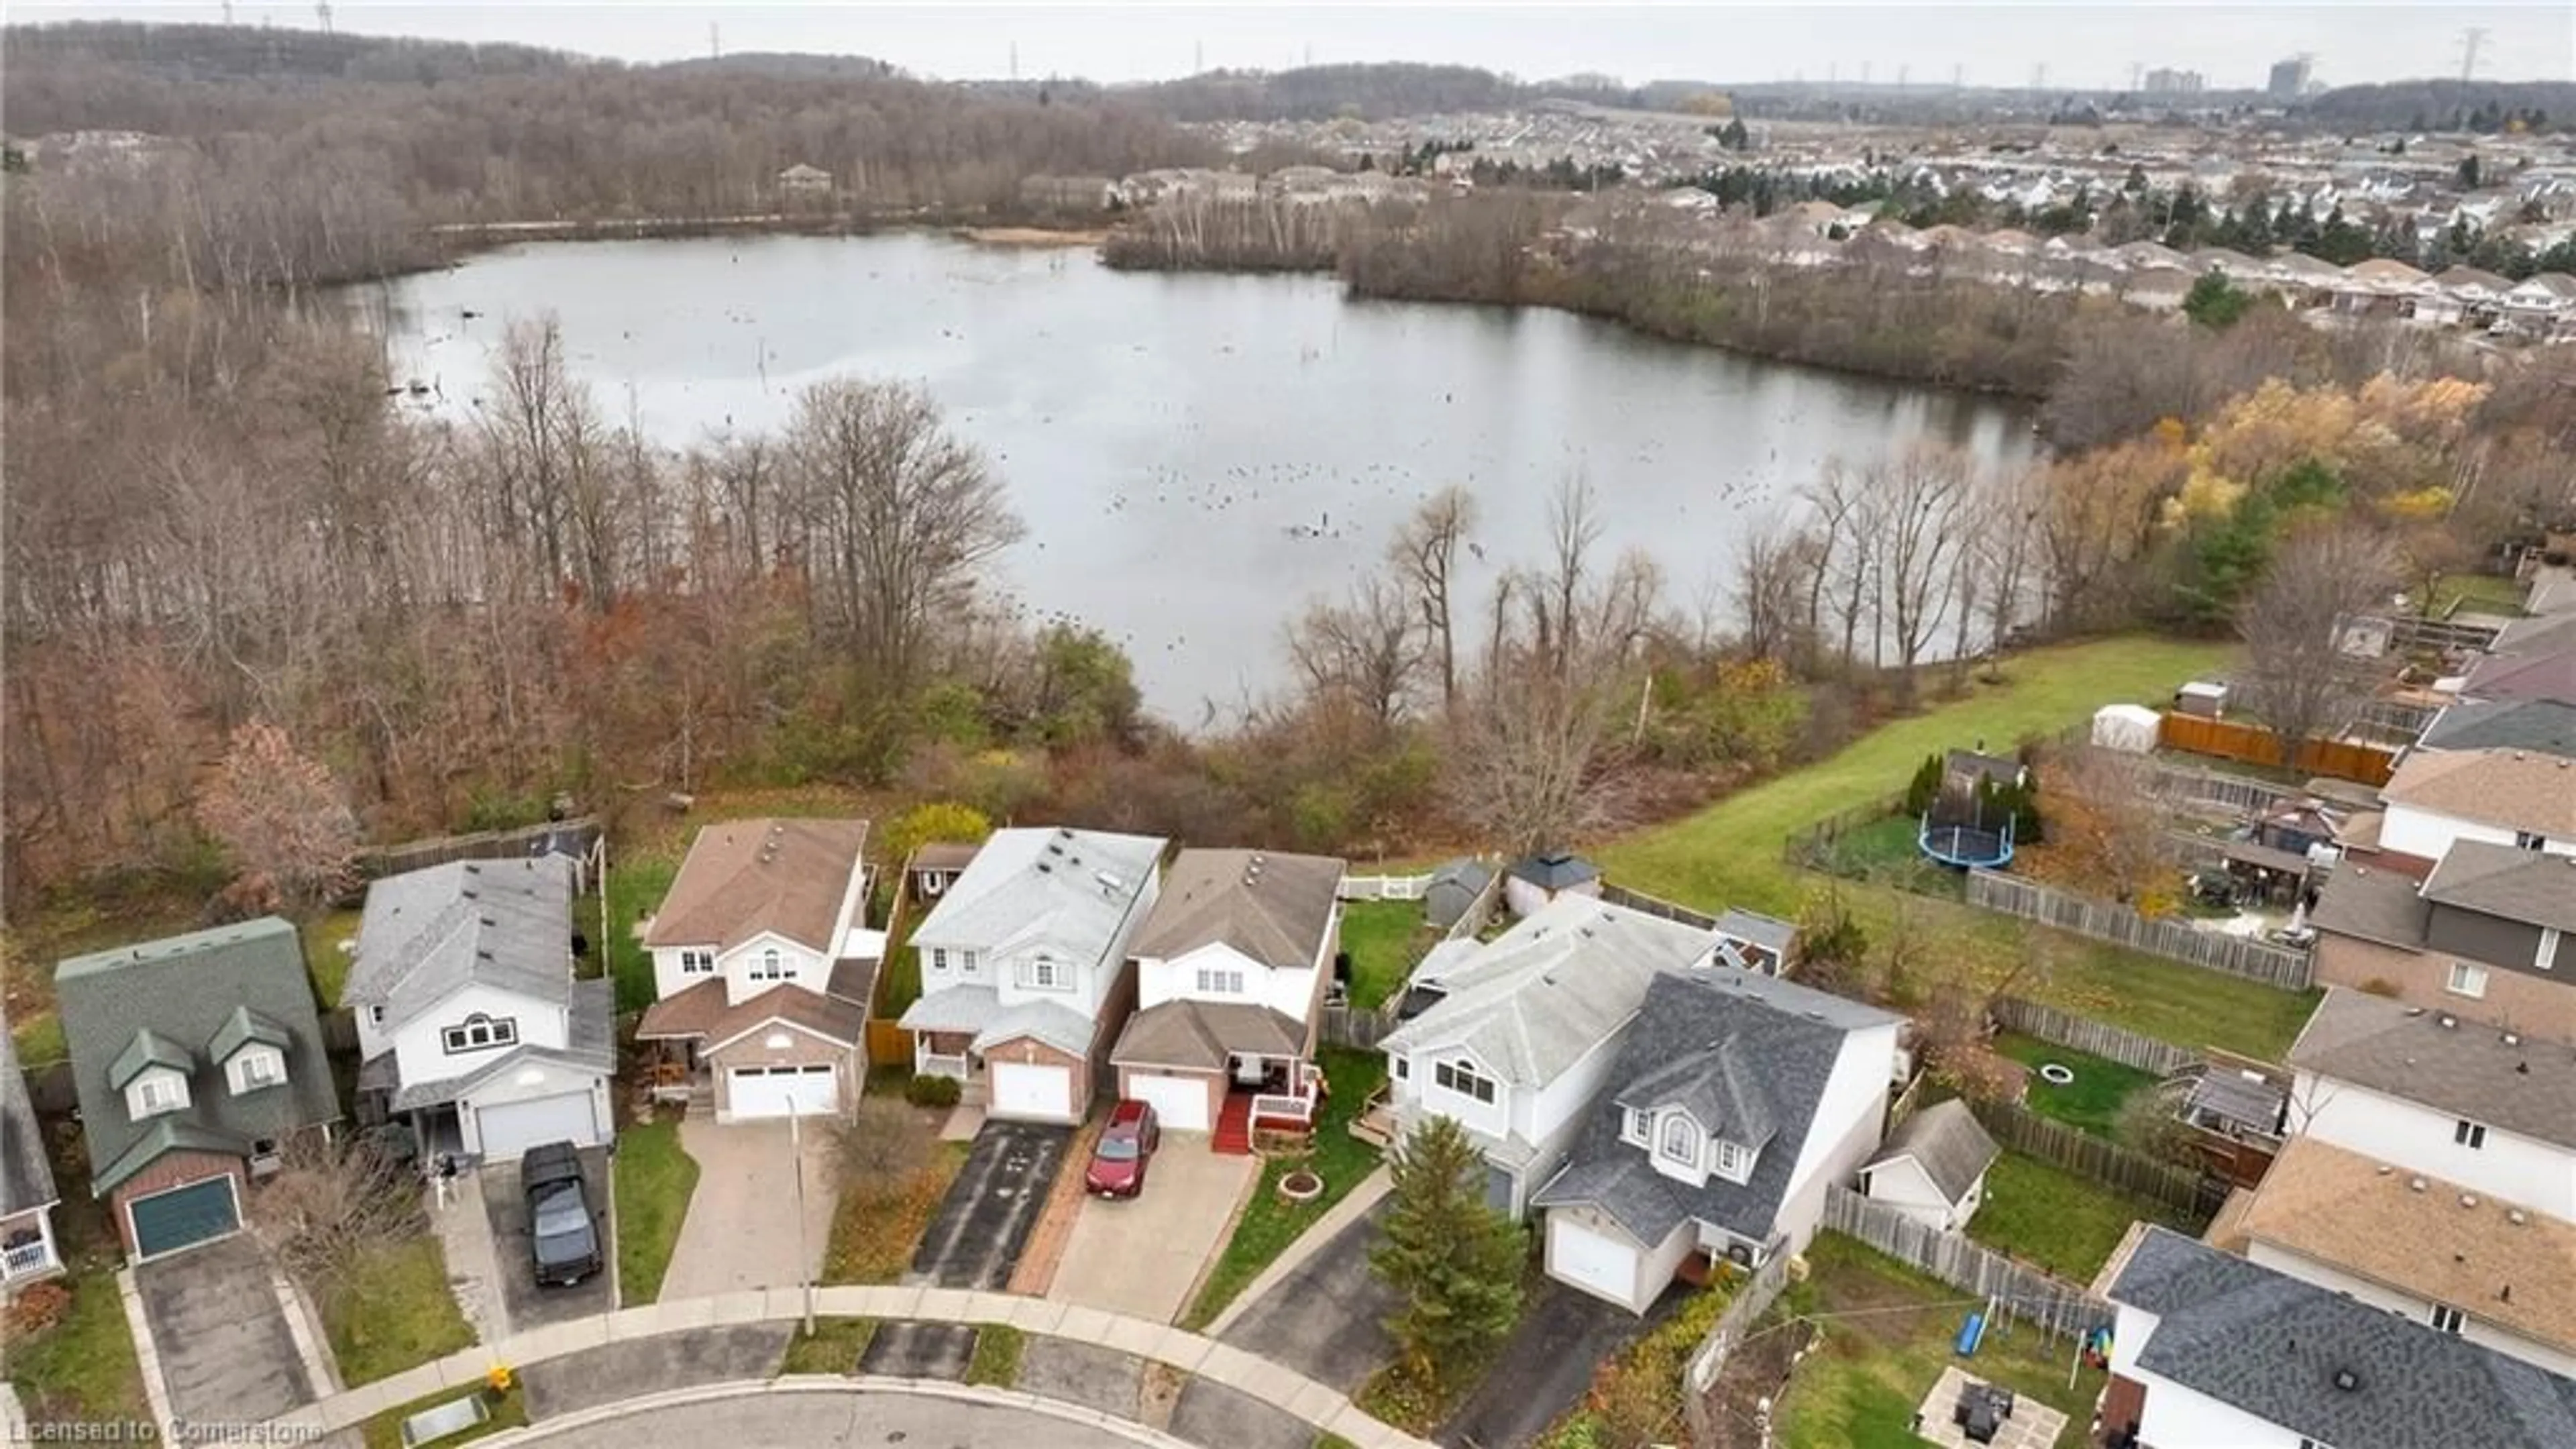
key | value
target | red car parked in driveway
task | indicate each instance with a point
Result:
(1126, 1147)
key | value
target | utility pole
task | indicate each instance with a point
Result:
(796, 1150)
(2471, 39)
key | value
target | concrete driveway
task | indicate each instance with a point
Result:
(1546, 1366)
(741, 1231)
(220, 1334)
(1326, 1319)
(1142, 1256)
(514, 1264)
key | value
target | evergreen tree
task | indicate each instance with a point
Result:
(1924, 788)
(2215, 302)
(1453, 1261)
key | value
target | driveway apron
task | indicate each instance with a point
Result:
(741, 1231)
(1141, 1256)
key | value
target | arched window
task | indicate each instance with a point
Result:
(1680, 1140)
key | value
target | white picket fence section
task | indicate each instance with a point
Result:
(1385, 887)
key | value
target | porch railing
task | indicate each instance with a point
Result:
(27, 1260)
(932, 1064)
(1280, 1106)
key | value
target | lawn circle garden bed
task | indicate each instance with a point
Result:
(1301, 1186)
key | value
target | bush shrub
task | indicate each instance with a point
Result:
(931, 1091)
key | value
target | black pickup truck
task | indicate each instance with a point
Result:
(563, 1231)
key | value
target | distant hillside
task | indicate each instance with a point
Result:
(1369, 92)
(790, 66)
(2445, 105)
(260, 52)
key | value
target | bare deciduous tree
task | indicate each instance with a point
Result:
(1768, 592)
(1425, 556)
(1365, 649)
(1916, 510)
(281, 818)
(2298, 679)
(331, 1203)
(879, 1147)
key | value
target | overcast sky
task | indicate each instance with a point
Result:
(2082, 45)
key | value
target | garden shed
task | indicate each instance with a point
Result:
(2128, 728)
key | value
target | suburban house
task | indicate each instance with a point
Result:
(2434, 1093)
(2481, 936)
(1231, 969)
(762, 968)
(470, 1024)
(2506, 797)
(2213, 1349)
(2534, 673)
(803, 180)
(27, 1196)
(1535, 880)
(196, 1058)
(1024, 983)
(2431, 1250)
(1736, 1102)
(1932, 1168)
(1520, 1033)
(2542, 726)
(1751, 941)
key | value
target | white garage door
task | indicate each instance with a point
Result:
(1590, 1260)
(1180, 1101)
(510, 1128)
(1032, 1091)
(811, 1091)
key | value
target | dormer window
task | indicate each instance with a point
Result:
(255, 1067)
(1045, 973)
(1464, 1080)
(479, 1032)
(1734, 1161)
(1215, 982)
(1679, 1142)
(154, 1093)
(770, 967)
(1639, 1126)
(694, 962)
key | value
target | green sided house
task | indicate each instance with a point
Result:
(196, 1057)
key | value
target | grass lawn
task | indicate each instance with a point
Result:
(832, 1348)
(1385, 939)
(1729, 854)
(508, 1411)
(1269, 1225)
(1887, 1336)
(2064, 1223)
(39, 1040)
(996, 1363)
(2477, 594)
(636, 885)
(874, 1234)
(81, 1370)
(324, 960)
(654, 1181)
(393, 1312)
(2093, 1100)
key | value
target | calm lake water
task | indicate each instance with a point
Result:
(1196, 455)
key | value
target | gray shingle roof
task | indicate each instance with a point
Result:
(500, 923)
(1769, 932)
(2386, 906)
(1782, 1039)
(26, 1175)
(1947, 1142)
(1070, 889)
(1274, 909)
(1532, 1001)
(2544, 725)
(1717, 1085)
(145, 1050)
(186, 989)
(2499, 880)
(1555, 870)
(2468, 1069)
(2547, 672)
(2272, 1346)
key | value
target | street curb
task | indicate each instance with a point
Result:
(841, 1384)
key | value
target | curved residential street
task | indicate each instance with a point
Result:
(841, 1419)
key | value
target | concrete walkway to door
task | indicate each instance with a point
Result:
(741, 1228)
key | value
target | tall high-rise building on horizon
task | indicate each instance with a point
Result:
(2161, 82)
(2289, 79)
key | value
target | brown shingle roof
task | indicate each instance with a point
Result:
(828, 1017)
(2525, 1085)
(1274, 909)
(2426, 1237)
(944, 855)
(683, 1014)
(2515, 789)
(1204, 1034)
(744, 877)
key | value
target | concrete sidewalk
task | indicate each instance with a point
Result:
(1341, 1215)
(464, 1228)
(1325, 1409)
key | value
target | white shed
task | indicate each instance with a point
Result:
(2129, 728)
(1933, 1167)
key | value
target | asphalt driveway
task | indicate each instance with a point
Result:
(1546, 1366)
(983, 1224)
(1326, 1319)
(226, 1352)
(747, 1175)
(513, 1254)
(1141, 1256)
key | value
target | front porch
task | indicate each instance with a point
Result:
(1269, 1101)
(27, 1249)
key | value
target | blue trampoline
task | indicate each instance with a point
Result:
(1966, 845)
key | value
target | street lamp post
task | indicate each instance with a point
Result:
(796, 1151)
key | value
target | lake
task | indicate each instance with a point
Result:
(1196, 455)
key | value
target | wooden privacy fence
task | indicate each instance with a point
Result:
(2255, 745)
(1753, 1299)
(1349, 1026)
(578, 837)
(2236, 794)
(889, 1045)
(2173, 940)
(1656, 906)
(2119, 1168)
(2049, 1303)
(2097, 1038)
(1812, 848)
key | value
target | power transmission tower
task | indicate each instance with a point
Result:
(2137, 76)
(1198, 57)
(323, 9)
(715, 42)
(1902, 72)
(2471, 39)
(1015, 60)
(2039, 76)
(1958, 77)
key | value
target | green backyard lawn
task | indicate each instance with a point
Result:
(2064, 1223)
(325, 959)
(655, 1179)
(1268, 1224)
(1384, 939)
(81, 1369)
(636, 885)
(394, 1311)
(2092, 1101)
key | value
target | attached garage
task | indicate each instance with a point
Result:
(183, 1217)
(504, 1130)
(1592, 1260)
(1182, 1102)
(1031, 1091)
(811, 1090)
